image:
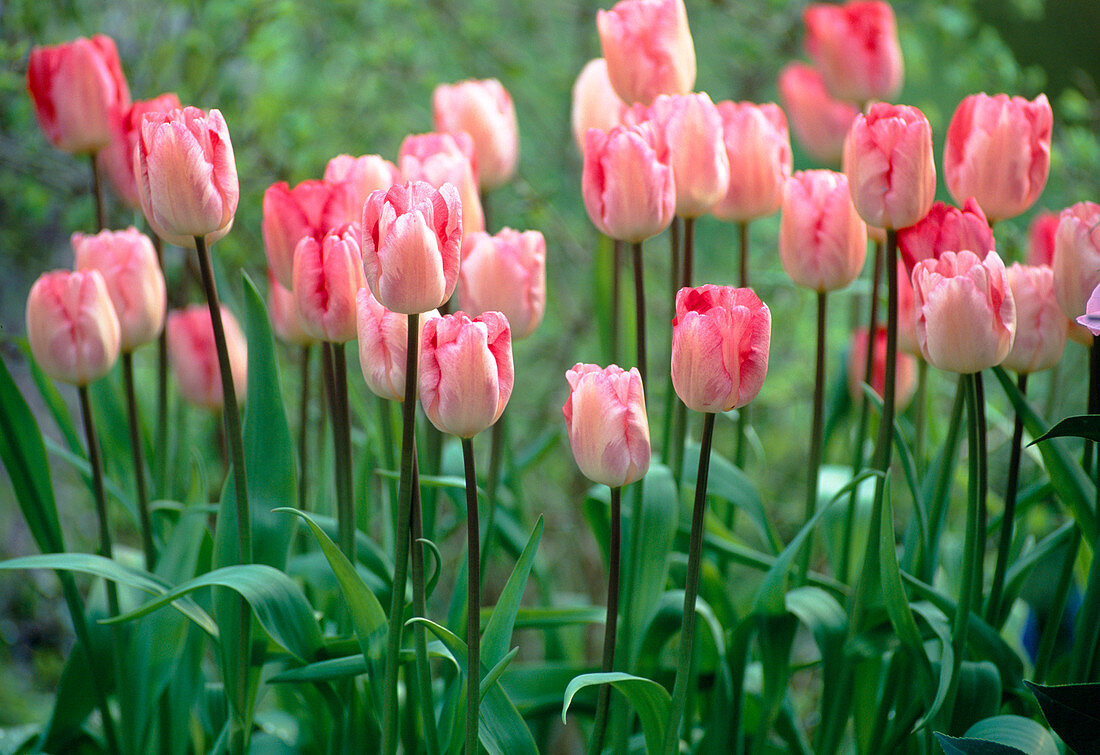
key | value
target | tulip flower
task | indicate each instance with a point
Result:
(905, 378)
(855, 46)
(194, 360)
(383, 345)
(1041, 328)
(445, 158)
(648, 48)
(484, 110)
(327, 276)
(309, 210)
(1077, 261)
(820, 122)
(285, 320)
(822, 240)
(605, 417)
(998, 151)
(759, 149)
(595, 103)
(116, 160)
(506, 273)
(361, 176)
(946, 229)
(1040, 235)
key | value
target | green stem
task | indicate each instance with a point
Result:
(341, 435)
(675, 267)
(920, 413)
(993, 606)
(938, 513)
(739, 448)
(610, 623)
(97, 192)
(303, 429)
(496, 460)
(639, 310)
(616, 295)
(160, 457)
(473, 601)
(689, 252)
(983, 488)
(420, 637)
(816, 429)
(743, 269)
(139, 462)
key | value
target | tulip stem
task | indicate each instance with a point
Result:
(739, 448)
(920, 413)
(303, 429)
(610, 623)
(743, 269)
(616, 272)
(473, 601)
(97, 192)
(160, 457)
(496, 459)
(639, 309)
(689, 253)
(139, 462)
(816, 427)
(337, 383)
(691, 590)
(676, 268)
(420, 637)
(993, 606)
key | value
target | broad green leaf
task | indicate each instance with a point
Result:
(650, 700)
(897, 602)
(1015, 731)
(546, 617)
(53, 400)
(1073, 711)
(979, 694)
(498, 632)
(729, 483)
(664, 623)
(828, 623)
(1085, 426)
(942, 629)
(964, 746)
(493, 675)
(367, 552)
(327, 670)
(655, 532)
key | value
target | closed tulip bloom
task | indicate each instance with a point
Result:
(648, 48)
(484, 110)
(78, 91)
(116, 160)
(1040, 234)
(383, 345)
(194, 357)
(855, 46)
(505, 273)
(905, 376)
(1077, 261)
(595, 103)
(822, 240)
(1091, 319)
(819, 121)
(187, 178)
(309, 210)
(361, 176)
(720, 339)
(946, 229)
(72, 326)
(606, 420)
(1041, 328)
(327, 276)
(888, 159)
(411, 242)
(966, 317)
(628, 186)
(998, 151)
(283, 311)
(759, 149)
(445, 158)
(135, 283)
(690, 128)
(466, 372)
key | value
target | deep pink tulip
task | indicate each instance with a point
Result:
(648, 48)
(445, 158)
(998, 151)
(361, 175)
(759, 149)
(606, 420)
(946, 229)
(1077, 261)
(820, 122)
(595, 103)
(412, 239)
(78, 90)
(466, 373)
(309, 210)
(194, 357)
(1041, 328)
(327, 276)
(285, 320)
(483, 109)
(966, 317)
(135, 283)
(720, 339)
(905, 375)
(690, 128)
(822, 240)
(1040, 234)
(1091, 319)
(187, 178)
(888, 159)
(116, 161)
(72, 326)
(505, 273)
(855, 46)
(383, 345)
(627, 183)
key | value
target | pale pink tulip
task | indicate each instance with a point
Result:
(72, 326)
(905, 375)
(628, 187)
(194, 357)
(690, 128)
(606, 420)
(506, 273)
(945, 229)
(309, 210)
(384, 345)
(361, 175)
(1077, 261)
(445, 158)
(595, 103)
(648, 48)
(855, 46)
(116, 160)
(285, 321)
(819, 121)
(759, 149)
(822, 240)
(1041, 328)
(483, 109)
(327, 276)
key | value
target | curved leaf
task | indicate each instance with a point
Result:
(1015, 731)
(964, 746)
(1085, 426)
(729, 483)
(650, 700)
(1073, 711)
(498, 632)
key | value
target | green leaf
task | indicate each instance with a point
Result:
(1073, 711)
(655, 530)
(551, 617)
(964, 746)
(650, 700)
(498, 632)
(1015, 731)
(327, 670)
(729, 483)
(1085, 426)
(494, 674)
(827, 621)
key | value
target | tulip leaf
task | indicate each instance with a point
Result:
(1085, 426)
(729, 483)
(650, 700)
(498, 632)
(1073, 711)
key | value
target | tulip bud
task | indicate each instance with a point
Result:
(819, 121)
(484, 110)
(445, 158)
(1041, 328)
(966, 317)
(78, 90)
(606, 420)
(690, 128)
(283, 311)
(116, 160)
(998, 151)
(1040, 234)
(383, 345)
(187, 179)
(327, 275)
(648, 48)
(1077, 260)
(595, 104)
(466, 371)
(309, 210)
(856, 48)
(905, 374)
(505, 273)
(411, 241)
(361, 176)
(759, 149)
(194, 356)
(822, 240)
(946, 229)
(720, 339)
(135, 283)
(72, 326)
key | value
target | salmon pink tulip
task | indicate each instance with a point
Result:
(606, 420)
(72, 326)
(819, 121)
(759, 149)
(445, 158)
(194, 357)
(309, 210)
(1040, 235)
(946, 229)
(506, 273)
(383, 345)
(822, 240)
(690, 128)
(361, 176)
(856, 48)
(484, 110)
(285, 320)
(327, 276)
(595, 103)
(116, 160)
(1041, 328)
(648, 48)
(1077, 260)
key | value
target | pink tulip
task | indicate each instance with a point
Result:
(1041, 328)
(445, 158)
(822, 240)
(72, 326)
(187, 179)
(1091, 318)
(627, 183)
(690, 128)
(361, 176)
(595, 103)
(78, 90)
(412, 238)
(1040, 234)
(383, 345)
(484, 110)
(966, 317)
(819, 121)
(327, 276)
(855, 46)
(283, 311)
(194, 357)
(905, 376)
(309, 210)
(135, 283)
(946, 229)
(606, 420)
(116, 160)
(648, 48)
(759, 149)
(1077, 261)
(998, 151)
(506, 273)
(888, 159)
(465, 371)
(720, 339)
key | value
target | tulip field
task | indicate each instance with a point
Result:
(640, 376)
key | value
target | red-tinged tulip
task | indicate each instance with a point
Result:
(1041, 328)
(690, 128)
(1040, 234)
(187, 178)
(445, 158)
(628, 186)
(905, 377)
(946, 229)
(505, 273)
(648, 48)
(888, 159)
(907, 314)
(822, 240)
(72, 326)
(411, 242)
(606, 420)
(855, 46)
(720, 339)
(383, 345)
(484, 110)
(966, 317)
(309, 210)
(1091, 318)
(759, 149)
(820, 122)
(116, 160)
(998, 151)
(327, 276)
(78, 90)
(465, 371)
(285, 320)
(194, 357)
(1077, 261)
(361, 175)
(135, 283)
(595, 103)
